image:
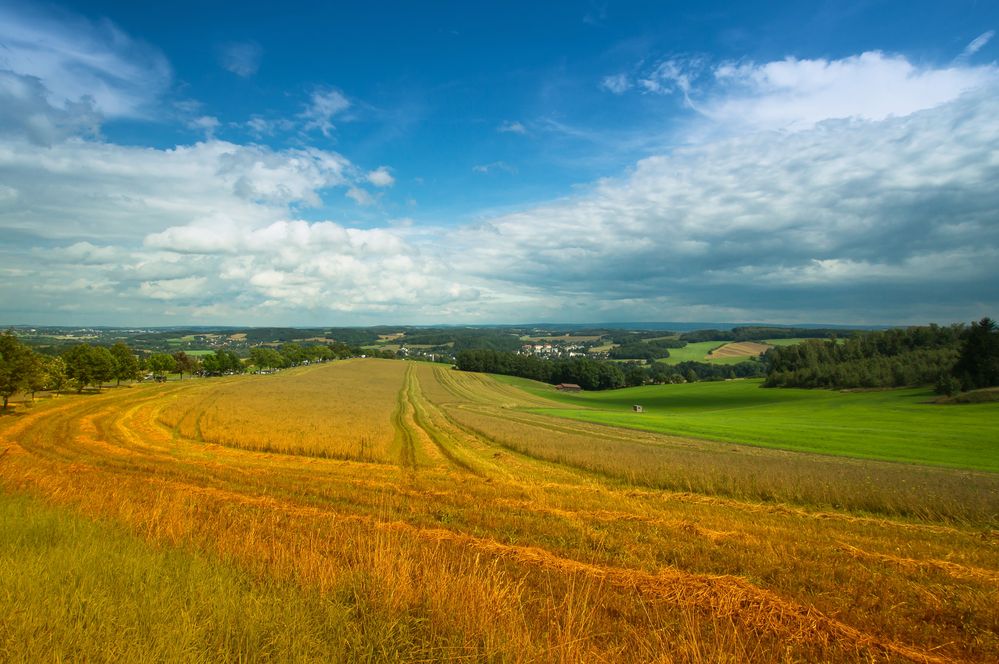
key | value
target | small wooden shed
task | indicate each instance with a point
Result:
(568, 387)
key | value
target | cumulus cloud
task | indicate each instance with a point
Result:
(381, 177)
(25, 111)
(794, 94)
(185, 288)
(850, 221)
(78, 188)
(839, 213)
(298, 264)
(874, 203)
(323, 106)
(241, 58)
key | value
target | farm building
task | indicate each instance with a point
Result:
(568, 387)
(637, 408)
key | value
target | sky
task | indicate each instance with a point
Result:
(311, 164)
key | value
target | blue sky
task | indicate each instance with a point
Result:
(498, 162)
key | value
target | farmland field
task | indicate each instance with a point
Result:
(891, 425)
(741, 349)
(725, 352)
(474, 526)
(698, 352)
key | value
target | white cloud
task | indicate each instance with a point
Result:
(173, 289)
(852, 221)
(241, 58)
(360, 196)
(26, 112)
(616, 83)
(671, 76)
(901, 206)
(323, 106)
(494, 166)
(84, 189)
(796, 94)
(978, 43)
(511, 127)
(320, 265)
(205, 123)
(381, 177)
(879, 206)
(82, 62)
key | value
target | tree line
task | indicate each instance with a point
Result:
(22, 370)
(953, 358)
(592, 374)
(645, 350)
(761, 333)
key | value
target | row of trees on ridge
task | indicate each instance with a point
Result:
(22, 370)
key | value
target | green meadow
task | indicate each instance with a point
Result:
(891, 425)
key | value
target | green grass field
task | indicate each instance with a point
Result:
(890, 425)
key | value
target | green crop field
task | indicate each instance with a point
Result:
(892, 425)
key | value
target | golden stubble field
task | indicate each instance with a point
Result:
(455, 525)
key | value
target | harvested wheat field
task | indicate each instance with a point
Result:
(383, 510)
(740, 349)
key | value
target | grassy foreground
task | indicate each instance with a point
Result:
(74, 589)
(890, 425)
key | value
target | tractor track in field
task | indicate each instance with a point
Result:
(405, 436)
(423, 415)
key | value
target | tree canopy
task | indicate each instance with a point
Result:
(978, 363)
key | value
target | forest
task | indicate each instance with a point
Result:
(953, 358)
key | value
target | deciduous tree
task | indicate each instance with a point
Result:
(184, 363)
(126, 364)
(15, 366)
(161, 364)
